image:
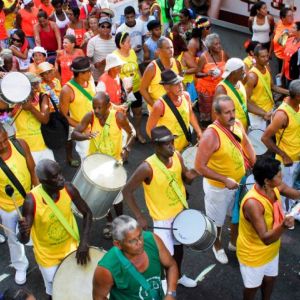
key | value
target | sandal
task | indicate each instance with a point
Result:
(107, 231)
(74, 163)
(141, 139)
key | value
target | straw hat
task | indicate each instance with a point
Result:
(44, 67)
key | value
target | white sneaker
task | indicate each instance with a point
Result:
(2, 239)
(231, 247)
(187, 282)
(164, 285)
(20, 277)
(220, 255)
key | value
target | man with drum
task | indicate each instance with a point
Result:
(76, 99)
(224, 153)
(146, 254)
(259, 89)
(162, 176)
(17, 157)
(48, 218)
(175, 99)
(285, 126)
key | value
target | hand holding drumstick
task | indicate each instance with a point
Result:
(9, 190)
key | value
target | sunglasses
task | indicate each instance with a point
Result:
(16, 40)
(105, 27)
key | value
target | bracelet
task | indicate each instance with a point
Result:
(126, 149)
(172, 293)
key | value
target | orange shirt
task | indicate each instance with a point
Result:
(278, 49)
(3, 33)
(29, 19)
(112, 88)
(49, 9)
(290, 48)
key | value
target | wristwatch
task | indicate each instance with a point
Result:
(172, 293)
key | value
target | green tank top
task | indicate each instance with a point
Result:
(125, 286)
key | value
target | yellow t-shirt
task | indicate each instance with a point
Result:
(10, 18)
(17, 164)
(130, 69)
(162, 201)
(227, 160)
(290, 136)
(109, 139)
(170, 121)
(157, 90)
(251, 251)
(52, 243)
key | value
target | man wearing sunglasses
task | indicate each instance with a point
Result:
(99, 46)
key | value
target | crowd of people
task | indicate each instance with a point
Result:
(101, 76)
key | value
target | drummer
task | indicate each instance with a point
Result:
(48, 217)
(162, 176)
(285, 125)
(162, 115)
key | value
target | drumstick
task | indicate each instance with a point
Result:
(7, 229)
(9, 190)
(158, 227)
(250, 183)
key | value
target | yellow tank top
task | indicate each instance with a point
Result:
(248, 61)
(81, 105)
(130, 69)
(290, 139)
(162, 201)
(239, 113)
(52, 243)
(259, 95)
(9, 18)
(157, 90)
(251, 251)
(17, 164)
(187, 78)
(109, 139)
(227, 160)
(170, 121)
(28, 128)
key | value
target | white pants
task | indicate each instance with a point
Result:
(288, 178)
(82, 148)
(257, 122)
(44, 154)
(48, 276)
(218, 202)
(16, 249)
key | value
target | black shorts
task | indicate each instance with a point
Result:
(139, 100)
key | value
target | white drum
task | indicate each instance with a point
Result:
(15, 88)
(73, 281)
(254, 136)
(192, 228)
(189, 156)
(250, 182)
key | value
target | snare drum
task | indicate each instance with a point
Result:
(15, 88)
(73, 281)
(189, 156)
(254, 136)
(192, 228)
(99, 181)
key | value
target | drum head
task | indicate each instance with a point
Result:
(250, 182)
(189, 156)
(255, 138)
(190, 225)
(73, 281)
(103, 171)
(15, 87)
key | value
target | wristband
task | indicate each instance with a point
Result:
(172, 293)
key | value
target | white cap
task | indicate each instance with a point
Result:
(39, 49)
(232, 65)
(25, 2)
(112, 61)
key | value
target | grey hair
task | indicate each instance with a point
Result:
(42, 168)
(102, 95)
(6, 53)
(210, 39)
(217, 102)
(294, 88)
(122, 225)
(161, 41)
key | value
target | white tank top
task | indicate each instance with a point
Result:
(261, 32)
(62, 24)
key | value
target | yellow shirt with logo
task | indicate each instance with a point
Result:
(109, 140)
(161, 199)
(17, 164)
(81, 105)
(259, 94)
(52, 243)
(239, 113)
(28, 128)
(251, 251)
(227, 160)
(170, 121)
(155, 89)
(290, 136)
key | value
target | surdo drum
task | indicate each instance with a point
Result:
(254, 136)
(189, 156)
(195, 230)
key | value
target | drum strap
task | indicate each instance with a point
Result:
(173, 183)
(239, 97)
(136, 274)
(81, 89)
(261, 78)
(72, 231)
